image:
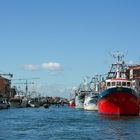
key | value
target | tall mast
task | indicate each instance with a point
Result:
(119, 65)
(118, 69)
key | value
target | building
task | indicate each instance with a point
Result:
(5, 87)
(134, 71)
(134, 74)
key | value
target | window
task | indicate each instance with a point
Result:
(113, 83)
(108, 84)
(128, 84)
(123, 83)
(118, 83)
(93, 101)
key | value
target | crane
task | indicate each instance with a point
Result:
(26, 82)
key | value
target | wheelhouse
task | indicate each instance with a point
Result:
(118, 83)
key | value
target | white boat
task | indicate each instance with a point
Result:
(90, 102)
(81, 92)
(34, 102)
(79, 101)
(91, 98)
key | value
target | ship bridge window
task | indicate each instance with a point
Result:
(108, 84)
(123, 83)
(113, 83)
(128, 84)
(118, 83)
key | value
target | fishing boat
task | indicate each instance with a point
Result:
(81, 92)
(72, 102)
(72, 98)
(79, 100)
(90, 102)
(119, 96)
(91, 98)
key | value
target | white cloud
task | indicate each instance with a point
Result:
(30, 67)
(51, 66)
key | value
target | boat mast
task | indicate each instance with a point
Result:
(118, 69)
(119, 61)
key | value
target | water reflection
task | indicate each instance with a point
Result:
(118, 117)
(121, 127)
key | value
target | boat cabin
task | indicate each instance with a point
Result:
(118, 83)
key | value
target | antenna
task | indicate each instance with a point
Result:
(119, 56)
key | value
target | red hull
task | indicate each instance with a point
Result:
(120, 103)
(72, 105)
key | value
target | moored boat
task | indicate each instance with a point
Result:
(34, 102)
(18, 102)
(79, 100)
(72, 102)
(90, 102)
(81, 92)
(119, 97)
(4, 103)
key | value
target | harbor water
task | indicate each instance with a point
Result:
(65, 123)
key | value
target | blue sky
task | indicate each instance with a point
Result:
(61, 41)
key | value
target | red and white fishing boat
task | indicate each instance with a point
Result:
(72, 102)
(120, 95)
